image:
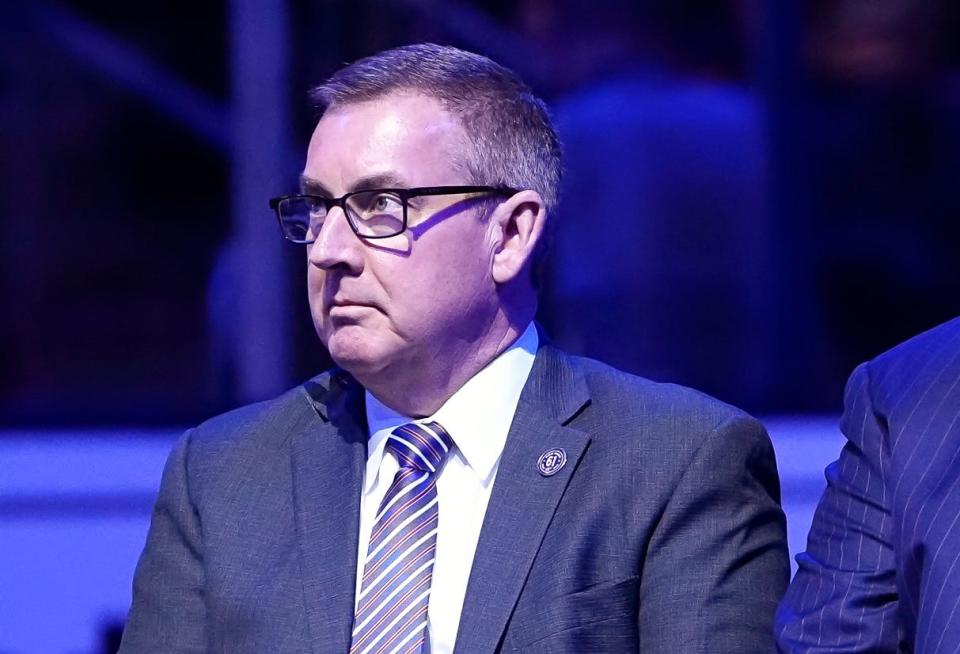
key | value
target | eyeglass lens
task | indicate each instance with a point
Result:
(373, 213)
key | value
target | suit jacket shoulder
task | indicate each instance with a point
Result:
(241, 443)
(919, 366)
(667, 422)
(255, 425)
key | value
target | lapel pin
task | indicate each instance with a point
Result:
(551, 461)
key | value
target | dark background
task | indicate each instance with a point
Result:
(759, 195)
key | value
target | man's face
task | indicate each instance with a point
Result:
(421, 298)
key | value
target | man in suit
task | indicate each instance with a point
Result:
(882, 568)
(456, 481)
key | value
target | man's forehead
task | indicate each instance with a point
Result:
(396, 140)
(392, 116)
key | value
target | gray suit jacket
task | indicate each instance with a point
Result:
(662, 533)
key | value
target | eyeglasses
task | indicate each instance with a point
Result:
(372, 213)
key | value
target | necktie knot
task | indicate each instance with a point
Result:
(420, 446)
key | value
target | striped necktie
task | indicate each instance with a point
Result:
(391, 615)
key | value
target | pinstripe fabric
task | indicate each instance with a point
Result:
(391, 615)
(882, 568)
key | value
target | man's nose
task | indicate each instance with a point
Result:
(336, 244)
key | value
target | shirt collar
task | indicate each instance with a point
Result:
(477, 416)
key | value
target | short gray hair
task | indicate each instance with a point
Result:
(512, 141)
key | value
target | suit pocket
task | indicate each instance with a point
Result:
(599, 618)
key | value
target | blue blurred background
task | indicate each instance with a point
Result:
(758, 196)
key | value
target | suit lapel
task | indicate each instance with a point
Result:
(328, 459)
(523, 500)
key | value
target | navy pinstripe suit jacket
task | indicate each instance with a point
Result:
(882, 568)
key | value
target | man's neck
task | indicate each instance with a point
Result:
(427, 386)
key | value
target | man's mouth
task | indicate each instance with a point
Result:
(344, 302)
(349, 308)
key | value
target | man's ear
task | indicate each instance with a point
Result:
(518, 224)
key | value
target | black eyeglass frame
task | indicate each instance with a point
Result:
(404, 194)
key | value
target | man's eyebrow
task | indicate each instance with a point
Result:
(379, 180)
(311, 186)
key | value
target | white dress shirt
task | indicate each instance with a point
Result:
(477, 417)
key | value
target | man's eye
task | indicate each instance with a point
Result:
(386, 203)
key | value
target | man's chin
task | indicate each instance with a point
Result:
(357, 355)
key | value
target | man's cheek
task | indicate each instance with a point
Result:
(315, 279)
